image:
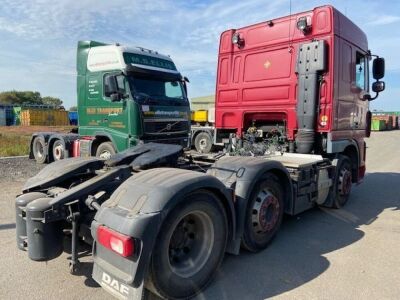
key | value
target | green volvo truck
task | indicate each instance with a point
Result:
(126, 96)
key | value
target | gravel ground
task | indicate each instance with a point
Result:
(352, 253)
(18, 169)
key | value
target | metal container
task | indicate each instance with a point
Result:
(17, 115)
(9, 115)
(395, 122)
(44, 117)
(3, 121)
(378, 125)
(199, 116)
(73, 117)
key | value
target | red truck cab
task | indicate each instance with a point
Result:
(307, 71)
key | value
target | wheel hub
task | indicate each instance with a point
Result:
(265, 212)
(58, 150)
(182, 240)
(39, 150)
(344, 185)
(105, 155)
(190, 244)
(203, 144)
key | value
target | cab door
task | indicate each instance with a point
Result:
(103, 117)
(361, 88)
(114, 115)
(345, 95)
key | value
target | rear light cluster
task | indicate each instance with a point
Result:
(115, 241)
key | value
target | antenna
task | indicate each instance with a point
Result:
(290, 24)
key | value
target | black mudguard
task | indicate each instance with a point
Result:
(60, 171)
(241, 174)
(137, 209)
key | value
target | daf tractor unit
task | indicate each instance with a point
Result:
(126, 96)
(291, 110)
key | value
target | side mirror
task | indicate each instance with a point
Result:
(378, 86)
(185, 81)
(111, 85)
(115, 97)
(111, 88)
(378, 68)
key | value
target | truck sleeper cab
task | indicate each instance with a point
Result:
(126, 96)
(303, 92)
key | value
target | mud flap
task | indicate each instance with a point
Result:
(115, 286)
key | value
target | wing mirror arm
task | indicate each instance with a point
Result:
(378, 86)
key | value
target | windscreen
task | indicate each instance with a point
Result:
(156, 91)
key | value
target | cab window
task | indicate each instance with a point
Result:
(361, 71)
(173, 89)
(120, 84)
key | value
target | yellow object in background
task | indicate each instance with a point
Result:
(44, 117)
(199, 116)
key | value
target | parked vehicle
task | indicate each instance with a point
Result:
(160, 219)
(126, 96)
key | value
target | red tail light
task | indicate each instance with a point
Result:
(115, 241)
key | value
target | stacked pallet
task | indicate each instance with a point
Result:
(385, 122)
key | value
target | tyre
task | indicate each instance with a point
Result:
(264, 214)
(38, 149)
(203, 142)
(105, 150)
(58, 150)
(342, 182)
(189, 248)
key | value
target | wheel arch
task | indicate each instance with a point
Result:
(184, 183)
(352, 152)
(99, 139)
(284, 179)
(242, 174)
(348, 147)
(150, 196)
(198, 131)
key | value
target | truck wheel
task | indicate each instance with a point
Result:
(264, 214)
(343, 181)
(58, 150)
(190, 247)
(105, 150)
(38, 149)
(203, 142)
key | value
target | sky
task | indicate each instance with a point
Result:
(38, 37)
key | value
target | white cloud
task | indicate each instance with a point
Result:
(385, 20)
(41, 35)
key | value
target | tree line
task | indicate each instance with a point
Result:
(27, 97)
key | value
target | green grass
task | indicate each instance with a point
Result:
(14, 144)
(14, 140)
